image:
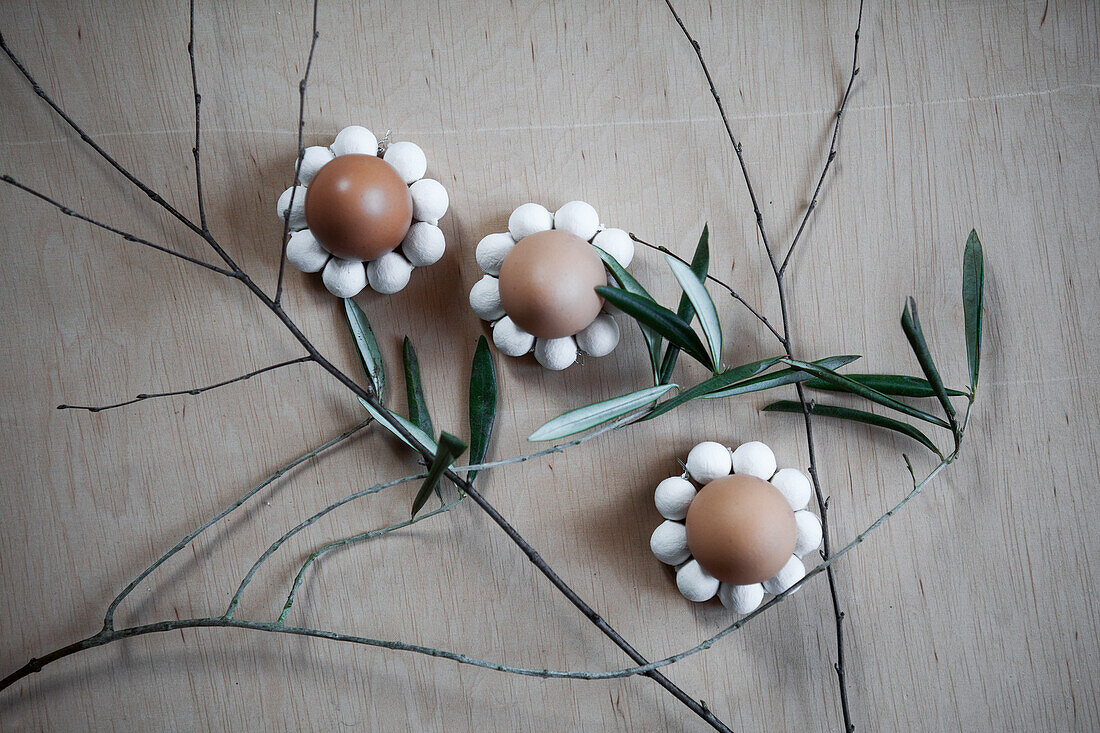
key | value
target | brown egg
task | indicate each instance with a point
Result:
(740, 529)
(358, 207)
(548, 284)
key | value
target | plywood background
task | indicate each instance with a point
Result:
(975, 609)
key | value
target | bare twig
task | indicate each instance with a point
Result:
(301, 156)
(192, 391)
(784, 338)
(114, 230)
(721, 283)
(198, 126)
(832, 145)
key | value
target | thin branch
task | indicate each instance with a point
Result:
(832, 146)
(198, 126)
(301, 155)
(192, 391)
(273, 548)
(353, 539)
(109, 617)
(721, 283)
(729, 132)
(114, 230)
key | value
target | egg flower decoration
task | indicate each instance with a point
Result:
(734, 526)
(363, 213)
(539, 287)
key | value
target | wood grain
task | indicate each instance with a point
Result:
(973, 610)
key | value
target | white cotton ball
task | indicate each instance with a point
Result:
(669, 543)
(344, 278)
(600, 337)
(511, 339)
(407, 159)
(794, 486)
(424, 244)
(791, 573)
(389, 273)
(577, 217)
(673, 496)
(809, 534)
(355, 140)
(430, 200)
(485, 299)
(313, 159)
(741, 598)
(298, 212)
(696, 584)
(305, 252)
(708, 461)
(755, 459)
(616, 243)
(528, 219)
(556, 354)
(492, 250)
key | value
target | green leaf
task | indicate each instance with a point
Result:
(414, 390)
(369, 353)
(590, 416)
(899, 385)
(449, 449)
(628, 283)
(910, 324)
(660, 319)
(847, 413)
(483, 403)
(700, 264)
(718, 381)
(778, 379)
(704, 307)
(388, 420)
(866, 392)
(973, 285)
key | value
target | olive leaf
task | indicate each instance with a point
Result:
(718, 381)
(660, 319)
(590, 416)
(367, 346)
(898, 385)
(483, 403)
(701, 301)
(847, 413)
(910, 324)
(972, 287)
(449, 449)
(700, 264)
(414, 390)
(868, 393)
(388, 420)
(627, 282)
(778, 379)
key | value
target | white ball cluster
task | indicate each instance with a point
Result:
(598, 338)
(706, 462)
(424, 244)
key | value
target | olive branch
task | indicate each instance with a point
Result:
(665, 332)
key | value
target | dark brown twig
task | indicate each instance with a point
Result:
(198, 126)
(192, 391)
(784, 338)
(832, 145)
(301, 156)
(721, 283)
(114, 230)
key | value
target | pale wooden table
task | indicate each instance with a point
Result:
(974, 609)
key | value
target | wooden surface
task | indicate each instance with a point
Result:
(974, 609)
